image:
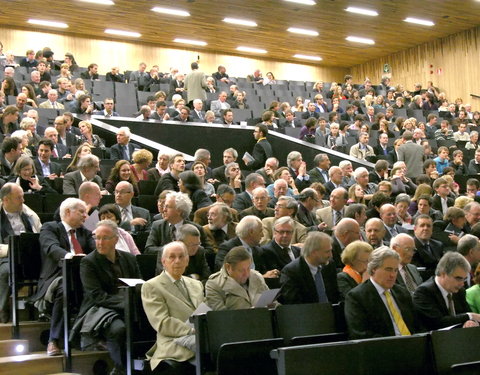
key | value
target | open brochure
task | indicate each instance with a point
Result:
(267, 298)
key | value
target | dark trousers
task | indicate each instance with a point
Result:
(115, 336)
(56, 323)
(174, 368)
(4, 287)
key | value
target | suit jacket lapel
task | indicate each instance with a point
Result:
(173, 290)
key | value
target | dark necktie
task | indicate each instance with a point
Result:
(125, 153)
(428, 249)
(77, 248)
(338, 217)
(409, 283)
(451, 306)
(219, 236)
(320, 286)
(173, 232)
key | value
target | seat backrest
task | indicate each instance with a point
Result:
(147, 264)
(147, 187)
(243, 325)
(25, 257)
(451, 347)
(316, 318)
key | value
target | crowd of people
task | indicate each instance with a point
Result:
(398, 245)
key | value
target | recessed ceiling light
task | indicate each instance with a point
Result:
(252, 50)
(189, 41)
(357, 39)
(307, 57)
(303, 2)
(48, 23)
(173, 12)
(100, 2)
(365, 12)
(241, 22)
(123, 33)
(297, 30)
(419, 21)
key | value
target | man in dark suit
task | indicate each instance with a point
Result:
(441, 201)
(312, 277)
(107, 111)
(15, 218)
(183, 115)
(378, 307)
(230, 155)
(169, 180)
(123, 149)
(60, 151)
(59, 240)
(160, 113)
(262, 149)
(346, 231)
(382, 149)
(279, 251)
(244, 199)
(320, 172)
(91, 73)
(388, 214)
(290, 121)
(429, 251)
(260, 209)
(197, 263)
(474, 164)
(88, 166)
(65, 138)
(43, 165)
(177, 86)
(267, 172)
(249, 233)
(11, 151)
(197, 114)
(349, 114)
(134, 219)
(408, 275)
(175, 214)
(308, 201)
(378, 174)
(310, 112)
(99, 272)
(298, 170)
(440, 301)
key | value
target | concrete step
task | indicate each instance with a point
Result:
(13, 347)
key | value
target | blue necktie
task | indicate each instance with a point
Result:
(322, 295)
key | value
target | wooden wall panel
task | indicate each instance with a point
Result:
(458, 56)
(107, 53)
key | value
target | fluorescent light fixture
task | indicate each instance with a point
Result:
(297, 30)
(365, 12)
(173, 12)
(100, 2)
(237, 21)
(123, 33)
(419, 21)
(189, 41)
(357, 39)
(48, 23)
(303, 2)
(250, 49)
(307, 57)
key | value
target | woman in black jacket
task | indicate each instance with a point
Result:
(190, 184)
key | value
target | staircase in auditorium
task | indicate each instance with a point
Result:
(27, 355)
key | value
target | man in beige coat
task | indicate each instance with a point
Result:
(236, 286)
(195, 84)
(168, 300)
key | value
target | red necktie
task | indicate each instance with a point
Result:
(76, 245)
(55, 154)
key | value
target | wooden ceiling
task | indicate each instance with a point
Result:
(273, 17)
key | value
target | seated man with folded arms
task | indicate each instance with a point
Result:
(99, 272)
(236, 285)
(169, 299)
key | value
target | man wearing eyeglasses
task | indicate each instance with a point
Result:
(279, 251)
(408, 275)
(134, 219)
(440, 301)
(99, 272)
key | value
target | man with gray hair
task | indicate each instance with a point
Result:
(332, 215)
(260, 207)
(59, 240)
(320, 172)
(307, 203)
(123, 149)
(312, 277)
(268, 170)
(408, 275)
(469, 247)
(197, 264)
(88, 166)
(347, 173)
(378, 307)
(52, 101)
(134, 219)
(362, 149)
(244, 200)
(440, 301)
(175, 214)
(298, 170)
(15, 218)
(249, 232)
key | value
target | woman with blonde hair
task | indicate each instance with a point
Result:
(141, 162)
(65, 71)
(355, 257)
(422, 189)
(298, 106)
(88, 137)
(356, 194)
(82, 150)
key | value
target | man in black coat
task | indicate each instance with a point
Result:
(429, 251)
(99, 272)
(169, 180)
(379, 307)
(123, 149)
(312, 277)
(262, 149)
(59, 240)
(244, 200)
(440, 301)
(279, 252)
(43, 165)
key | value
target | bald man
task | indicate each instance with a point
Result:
(408, 275)
(375, 232)
(346, 231)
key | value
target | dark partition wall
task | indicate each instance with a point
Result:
(189, 137)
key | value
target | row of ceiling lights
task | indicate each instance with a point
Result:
(236, 21)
